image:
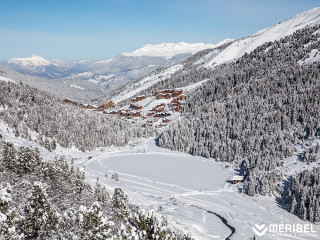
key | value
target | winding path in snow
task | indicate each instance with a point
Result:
(225, 222)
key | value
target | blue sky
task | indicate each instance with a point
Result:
(101, 29)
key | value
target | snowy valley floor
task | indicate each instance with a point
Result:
(186, 188)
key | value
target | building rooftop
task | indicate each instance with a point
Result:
(237, 178)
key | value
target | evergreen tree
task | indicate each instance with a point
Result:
(120, 202)
(100, 193)
(41, 219)
(94, 226)
(8, 215)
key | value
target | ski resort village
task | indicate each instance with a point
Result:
(156, 109)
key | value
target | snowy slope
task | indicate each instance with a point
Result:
(313, 56)
(169, 50)
(238, 48)
(146, 82)
(6, 79)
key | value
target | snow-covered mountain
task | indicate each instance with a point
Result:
(77, 89)
(41, 67)
(168, 50)
(33, 61)
(246, 45)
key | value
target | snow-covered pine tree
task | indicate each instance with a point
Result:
(41, 219)
(8, 215)
(120, 203)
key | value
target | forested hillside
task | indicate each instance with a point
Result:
(42, 199)
(253, 110)
(25, 108)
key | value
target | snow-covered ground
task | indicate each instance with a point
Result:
(191, 87)
(185, 188)
(313, 56)
(6, 79)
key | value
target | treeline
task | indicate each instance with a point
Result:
(25, 108)
(49, 200)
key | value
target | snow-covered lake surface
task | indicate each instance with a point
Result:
(185, 187)
(184, 171)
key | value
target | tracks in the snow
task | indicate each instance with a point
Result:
(225, 222)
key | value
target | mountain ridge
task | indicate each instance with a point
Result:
(106, 74)
(169, 50)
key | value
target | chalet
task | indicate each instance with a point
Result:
(162, 114)
(172, 92)
(138, 98)
(107, 105)
(88, 106)
(237, 179)
(179, 98)
(92, 106)
(164, 91)
(149, 114)
(166, 120)
(135, 114)
(135, 106)
(159, 109)
(113, 112)
(164, 96)
(70, 102)
(177, 104)
(161, 92)
(83, 105)
(123, 113)
(178, 108)
(159, 105)
(177, 92)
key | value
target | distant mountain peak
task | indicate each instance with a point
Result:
(33, 61)
(169, 50)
